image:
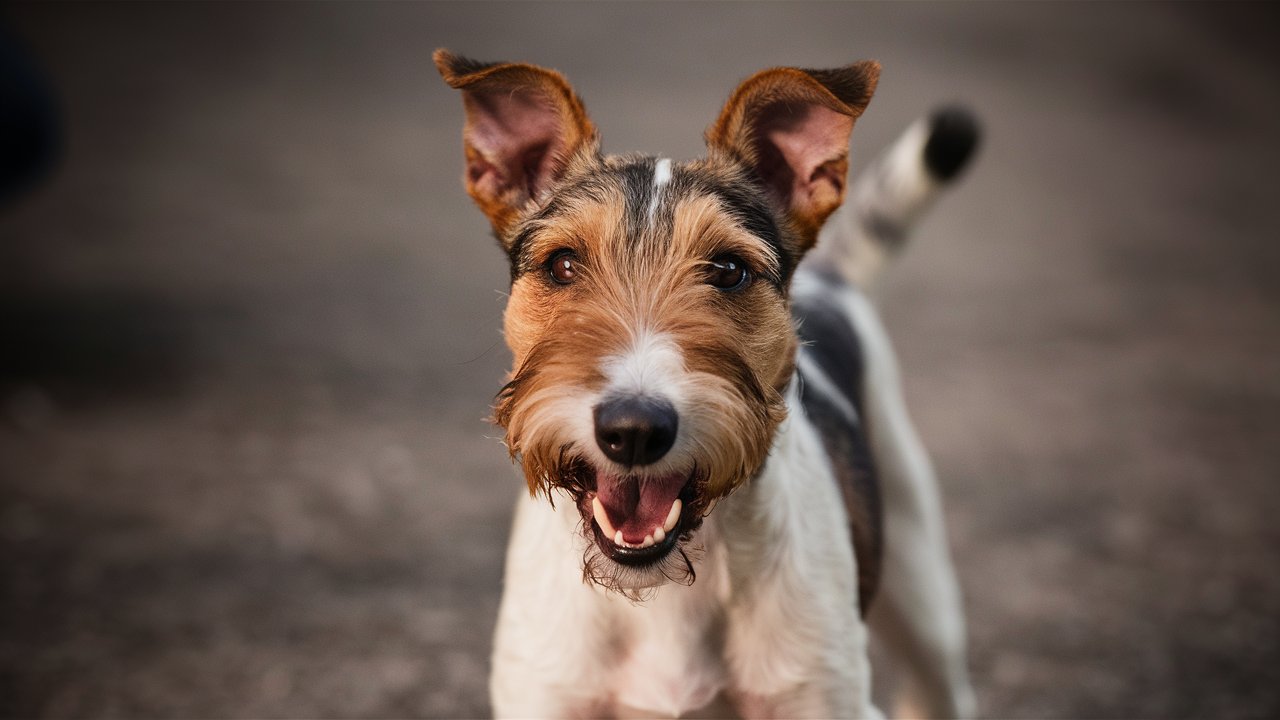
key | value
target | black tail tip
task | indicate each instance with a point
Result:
(953, 137)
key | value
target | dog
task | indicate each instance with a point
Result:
(725, 491)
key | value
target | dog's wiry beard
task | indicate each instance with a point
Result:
(638, 584)
(730, 415)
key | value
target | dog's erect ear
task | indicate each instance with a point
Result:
(791, 127)
(524, 126)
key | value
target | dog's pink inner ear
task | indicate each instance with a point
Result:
(524, 125)
(801, 154)
(517, 139)
(791, 128)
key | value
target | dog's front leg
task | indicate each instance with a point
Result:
(789, 680)
(548, 628)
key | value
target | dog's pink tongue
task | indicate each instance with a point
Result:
(637, 506)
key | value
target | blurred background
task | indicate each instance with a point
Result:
(249, 334)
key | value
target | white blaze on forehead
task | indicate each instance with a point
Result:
(661, 176)
(652, 367)
(661, 173)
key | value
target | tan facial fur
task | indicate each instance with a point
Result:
(736, 347)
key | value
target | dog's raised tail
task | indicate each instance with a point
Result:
(892, 194)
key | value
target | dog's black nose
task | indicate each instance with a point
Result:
(635, 431)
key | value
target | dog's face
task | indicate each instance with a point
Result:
(648, 314)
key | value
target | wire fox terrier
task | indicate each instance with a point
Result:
(722, 476)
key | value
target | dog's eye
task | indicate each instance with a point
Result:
(563, 266)
(727, 272)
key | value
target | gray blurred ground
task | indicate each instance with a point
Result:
(250, 332)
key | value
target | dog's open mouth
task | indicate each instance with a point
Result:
(638, 520)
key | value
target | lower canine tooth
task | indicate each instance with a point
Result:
(617, 538)
(673, 516)
(659, 535)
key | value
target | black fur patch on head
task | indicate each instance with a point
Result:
(633, 176)
(516, 250)
(590, 186)
(748, 205)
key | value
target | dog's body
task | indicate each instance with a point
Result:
(715, 480)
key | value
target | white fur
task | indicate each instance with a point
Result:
(653, 366)
(661, 176)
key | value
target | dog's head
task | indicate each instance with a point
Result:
(648, 313)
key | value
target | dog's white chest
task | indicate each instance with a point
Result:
(671, 648)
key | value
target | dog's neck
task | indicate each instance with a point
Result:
(766, 505)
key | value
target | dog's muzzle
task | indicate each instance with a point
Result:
(637, 514)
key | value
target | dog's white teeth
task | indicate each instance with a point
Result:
(673, 516)
(602, 518)
(658, 535)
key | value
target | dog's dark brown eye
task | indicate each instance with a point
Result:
(727, 272)
(563, 267)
